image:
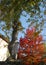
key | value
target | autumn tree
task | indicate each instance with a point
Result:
(10, 12)
(31, 47)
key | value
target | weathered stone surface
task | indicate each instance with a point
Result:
(4, 53)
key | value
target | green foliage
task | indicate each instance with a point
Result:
(12, 9)
(10, 12)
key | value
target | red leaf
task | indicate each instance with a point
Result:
(39, 38)
(30, 45)
(28, 50)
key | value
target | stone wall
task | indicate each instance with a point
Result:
(4, 53)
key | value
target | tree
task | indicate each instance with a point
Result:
(31, 47)
(10, 11)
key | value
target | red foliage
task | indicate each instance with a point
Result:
(39, 38)
(31, 46)
(30, 32)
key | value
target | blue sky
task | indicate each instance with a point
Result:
(23, 20)
(25, 25)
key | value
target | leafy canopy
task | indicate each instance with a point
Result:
(31, 46)
(12, 9)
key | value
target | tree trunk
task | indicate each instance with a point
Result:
(14, 33)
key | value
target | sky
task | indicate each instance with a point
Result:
(23, 20)
(25, 25)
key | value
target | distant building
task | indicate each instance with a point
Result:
(4, 53)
